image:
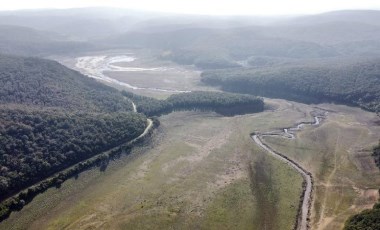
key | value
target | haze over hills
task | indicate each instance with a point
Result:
(21, 40)
(329, 34)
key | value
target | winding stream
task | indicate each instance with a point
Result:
(304, 212)
(96, 66)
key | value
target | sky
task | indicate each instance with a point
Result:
(213, 7)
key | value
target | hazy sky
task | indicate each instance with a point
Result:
(257, 7)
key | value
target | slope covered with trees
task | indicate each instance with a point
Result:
(354, 84)
(45, 83)
(52, 117)
(39, 143)
(220, 102)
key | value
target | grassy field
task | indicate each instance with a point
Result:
(338, 155)
(201, 171)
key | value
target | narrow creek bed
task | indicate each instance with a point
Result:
(302, 222)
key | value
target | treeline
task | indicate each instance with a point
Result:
(223, 103)
(148, 105)
(366, 220)
(45, 83)
(354, 84)
(201, 59)
(36, 144)
(18, 201)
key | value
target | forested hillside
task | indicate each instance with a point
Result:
(52, 117)
(34, 144)
(354, 84)
(44, 83)
(220, 102)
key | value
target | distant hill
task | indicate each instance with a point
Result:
(80, 24)
(20, 40)
(328, 33)
(342, 33)
(231, 38)
(371, 17)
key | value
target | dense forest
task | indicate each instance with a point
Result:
(38, 143)
(148, 105)
(354, 84)
(220, 102)
(366, 220)
(52, 117)
(45, 83)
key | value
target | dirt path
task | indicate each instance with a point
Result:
(304, 212)
(134, 107)
(148, 127)
(149, 121)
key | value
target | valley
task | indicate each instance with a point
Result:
(123, 118)
(202, 170)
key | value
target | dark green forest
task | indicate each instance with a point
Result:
(35, 144)
(224, 103)
(352, 84)
(366, 220)
(148, 105)
(45, 83)
(52, 117)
